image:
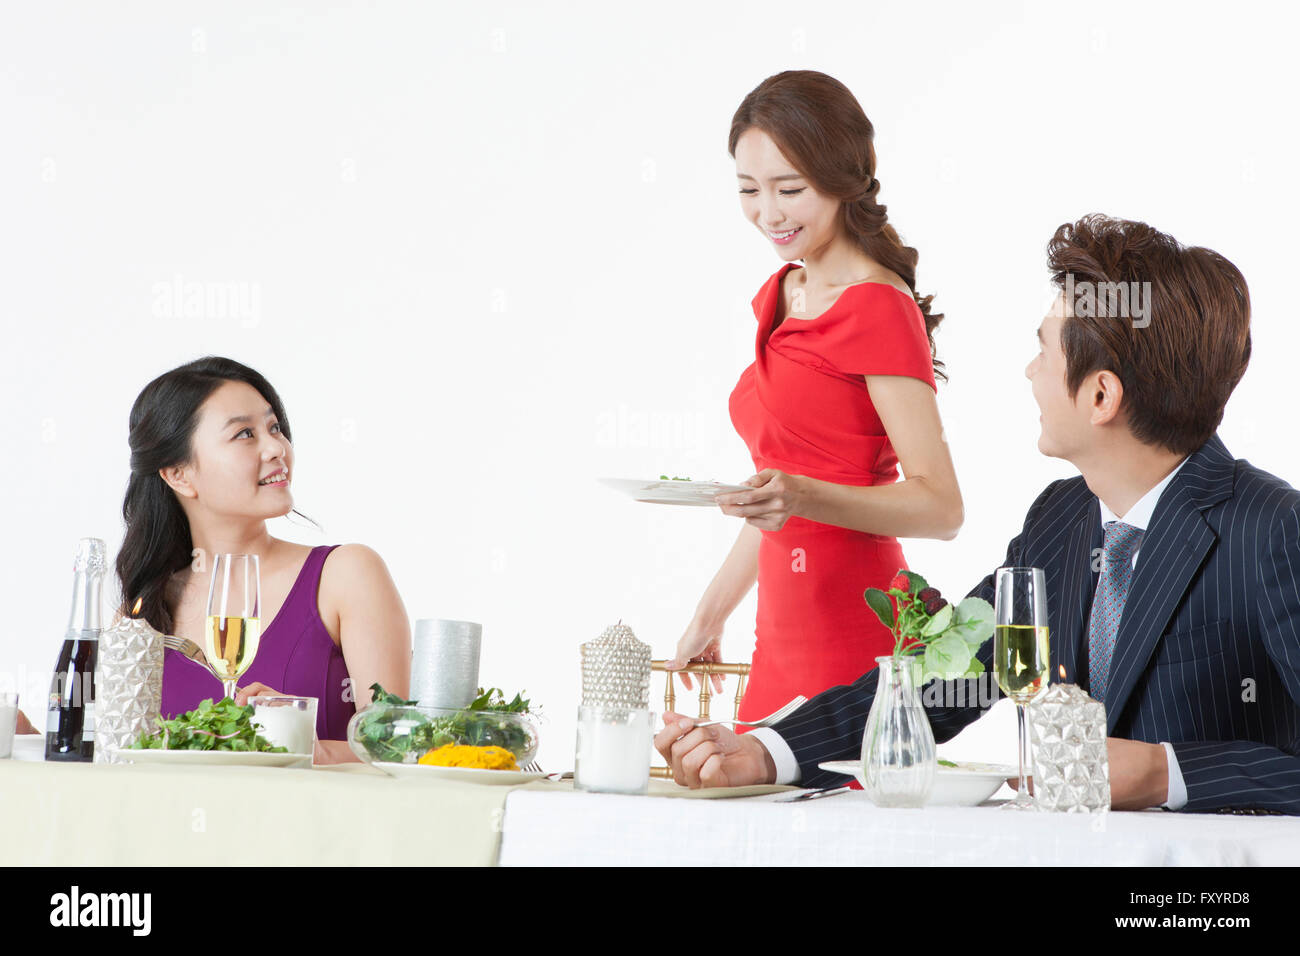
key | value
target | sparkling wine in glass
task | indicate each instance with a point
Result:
(1020, 651)
(234, 626)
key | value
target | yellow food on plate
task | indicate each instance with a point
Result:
(463, 755)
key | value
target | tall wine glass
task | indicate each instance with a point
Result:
(1020, 651)
(234, 627)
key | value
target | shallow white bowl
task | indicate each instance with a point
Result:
(967, 785)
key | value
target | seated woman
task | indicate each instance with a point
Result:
(211, 460)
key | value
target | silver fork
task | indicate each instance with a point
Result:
(189, 649)
(767, 721)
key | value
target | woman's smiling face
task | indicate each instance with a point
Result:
(241, 462)
(777, 199)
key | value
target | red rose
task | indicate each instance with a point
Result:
(901, 583)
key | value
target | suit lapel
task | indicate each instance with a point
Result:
(1067, 640)
(1172, 551)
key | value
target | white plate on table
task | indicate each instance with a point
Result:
(661, 492)
(966, 785)
(408, 771)
(215, 758)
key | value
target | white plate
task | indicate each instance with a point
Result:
(699, 493)
(463, 774)
(215, 758)
(966, 785)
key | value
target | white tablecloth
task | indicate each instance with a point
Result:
(547, 829)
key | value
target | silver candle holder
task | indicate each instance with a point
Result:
(128, 685)
(444, 664)
(1068, 730)
(616, 670)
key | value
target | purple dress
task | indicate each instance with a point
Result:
(296, 656)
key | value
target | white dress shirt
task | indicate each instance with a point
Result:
(1139, 516)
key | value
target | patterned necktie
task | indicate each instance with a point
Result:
(1108, 604)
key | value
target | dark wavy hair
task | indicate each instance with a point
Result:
(157, 542)
(821, 128)
(1180, 365)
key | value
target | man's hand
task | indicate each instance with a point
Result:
(1139, 774)
(712, 756)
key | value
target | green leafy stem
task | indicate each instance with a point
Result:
(924, 624)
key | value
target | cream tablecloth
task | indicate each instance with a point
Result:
(75, 814)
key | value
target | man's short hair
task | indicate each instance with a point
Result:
(1173, 323)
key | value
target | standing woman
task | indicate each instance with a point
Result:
(841, 392)
(211, 461)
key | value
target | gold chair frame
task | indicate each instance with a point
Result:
(703, 670)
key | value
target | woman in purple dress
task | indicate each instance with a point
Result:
(211, 461)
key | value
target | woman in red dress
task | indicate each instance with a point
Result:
(841, 392)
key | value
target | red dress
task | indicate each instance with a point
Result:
(803, 408)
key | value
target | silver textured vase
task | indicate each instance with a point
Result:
(898, 754)
(128, 686)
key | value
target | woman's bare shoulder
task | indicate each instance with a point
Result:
(355, 558)
(352, 569)
(356, 584)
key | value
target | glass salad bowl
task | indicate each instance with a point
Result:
(388, 735)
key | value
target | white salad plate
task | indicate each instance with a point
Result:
(670, 492)
(409, 771)
(215, 758)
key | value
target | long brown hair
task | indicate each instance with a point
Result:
(821, 128)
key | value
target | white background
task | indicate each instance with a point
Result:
(496, 254)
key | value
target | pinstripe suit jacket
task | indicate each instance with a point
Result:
(1207, 656)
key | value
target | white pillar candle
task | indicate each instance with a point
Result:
(613, 751)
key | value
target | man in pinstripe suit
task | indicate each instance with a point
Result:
(1189, 631)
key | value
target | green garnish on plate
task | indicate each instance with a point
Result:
(210, 726)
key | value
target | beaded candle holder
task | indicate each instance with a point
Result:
(614, 721)
(616, 670)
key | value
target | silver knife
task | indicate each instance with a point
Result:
(814, 794)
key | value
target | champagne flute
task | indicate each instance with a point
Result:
(1020, 651)
(234, 627)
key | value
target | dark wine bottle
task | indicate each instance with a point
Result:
(70, 719)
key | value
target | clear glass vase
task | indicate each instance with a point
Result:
(898, 756)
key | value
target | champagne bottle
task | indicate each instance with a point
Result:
(70, 719)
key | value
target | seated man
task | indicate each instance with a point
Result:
(1200, 553)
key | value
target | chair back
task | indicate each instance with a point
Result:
(703, 672)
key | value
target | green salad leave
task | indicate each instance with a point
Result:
(210, 726)
(402, 737)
